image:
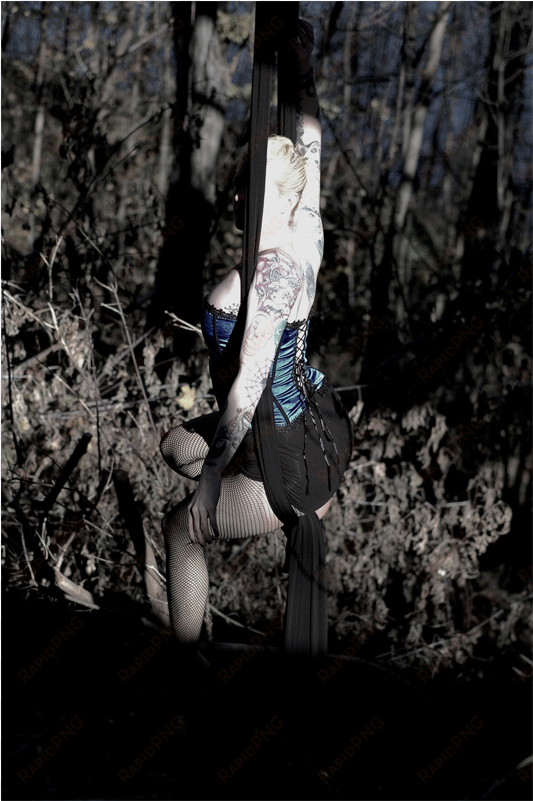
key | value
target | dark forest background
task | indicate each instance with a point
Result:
(120, 127)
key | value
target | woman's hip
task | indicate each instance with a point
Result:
(314, 451)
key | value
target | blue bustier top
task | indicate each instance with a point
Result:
(293, 377)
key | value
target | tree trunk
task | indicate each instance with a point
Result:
(110, 72)
(6, 26)
(198, 128)
(165, 149)
(94, 38)
(349, 62)
(39, 125)
(387, 339)
(417, 118)
(129, 145)
(490, 199)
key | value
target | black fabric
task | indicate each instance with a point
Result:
(313, 482)
(263, 66)
(287, 71)
(306, 613)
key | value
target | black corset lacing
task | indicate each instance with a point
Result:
(308, 390)
(304, 385)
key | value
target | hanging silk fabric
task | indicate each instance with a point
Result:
(306, 611)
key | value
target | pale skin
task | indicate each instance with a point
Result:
(282, 291)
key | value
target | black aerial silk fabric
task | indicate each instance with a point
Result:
(305, 558)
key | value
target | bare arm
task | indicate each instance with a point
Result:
(277, 285)
(308, 142)
(309, 136)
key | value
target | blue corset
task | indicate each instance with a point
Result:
(292, 370)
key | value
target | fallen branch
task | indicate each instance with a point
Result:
(76, 594)
(234, 622)
(65, 473)
(143, 547)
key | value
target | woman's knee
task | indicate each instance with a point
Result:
(178, 453)
(176, 519)
(164, 444)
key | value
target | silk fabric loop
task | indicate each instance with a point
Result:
(305, 561)
(305, 554)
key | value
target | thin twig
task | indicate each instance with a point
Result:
(114, 291)
(527, 761)
(97, 396)
(50, 266)
(9, 296)
(101, 530)
(64, 548)
(33, 581)
(184, 323)
(65, 473)
(156, 571)
(234, 622)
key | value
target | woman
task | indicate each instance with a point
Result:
(313, 431)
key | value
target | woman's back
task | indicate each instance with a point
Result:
(293, 380)
(304, 249)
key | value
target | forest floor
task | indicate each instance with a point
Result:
(79, 723)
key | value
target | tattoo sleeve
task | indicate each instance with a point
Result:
(277, 284)
(308, 129)
(308, 143)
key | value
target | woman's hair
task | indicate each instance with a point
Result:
(291, 178)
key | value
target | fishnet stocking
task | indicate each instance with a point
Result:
(185, 447)
(243, 511)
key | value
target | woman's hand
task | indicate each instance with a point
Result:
(203, 507)
(303, 42)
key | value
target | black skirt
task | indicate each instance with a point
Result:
(314, 451)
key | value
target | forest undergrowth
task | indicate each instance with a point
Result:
(85, 490)
(116, 196)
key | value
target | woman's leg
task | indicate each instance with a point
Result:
(185, 447)
(243, 511)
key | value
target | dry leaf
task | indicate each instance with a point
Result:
(187, 397)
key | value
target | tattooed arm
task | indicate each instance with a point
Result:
(308, 127)
(308, 141)
(277, 285)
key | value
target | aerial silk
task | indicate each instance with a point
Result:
(305, 561)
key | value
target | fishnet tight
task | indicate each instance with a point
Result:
(242, 511)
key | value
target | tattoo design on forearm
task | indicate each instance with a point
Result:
(277, 285)
(229, 436)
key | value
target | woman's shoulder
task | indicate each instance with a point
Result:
(226, 295)
(285, 253)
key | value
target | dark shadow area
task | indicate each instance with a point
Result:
(92, 712)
